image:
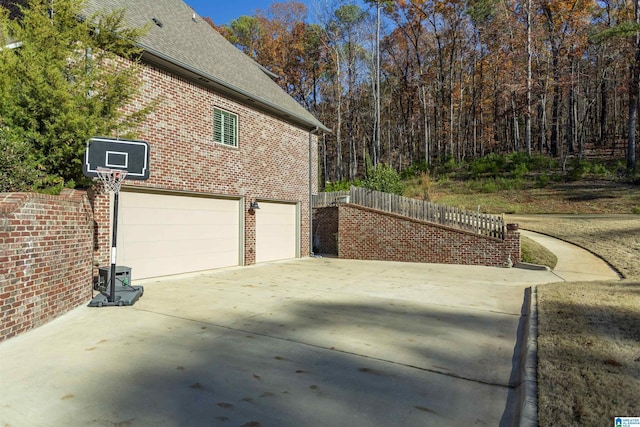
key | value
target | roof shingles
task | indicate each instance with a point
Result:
(195, 45)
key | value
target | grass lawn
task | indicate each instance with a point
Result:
(535, 253)
(591, 196)
(588, 352)
(589, 332)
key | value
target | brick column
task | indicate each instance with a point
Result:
(512, 243)
(249, 234)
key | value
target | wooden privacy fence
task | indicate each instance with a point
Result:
(322, 200)
(488, 225)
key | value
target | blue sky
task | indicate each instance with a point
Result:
(224, 11)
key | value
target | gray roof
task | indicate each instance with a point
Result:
(185, 43)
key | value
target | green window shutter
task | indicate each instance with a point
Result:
(217, 126)
(225, 127)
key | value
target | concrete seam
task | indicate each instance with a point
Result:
(351, 353)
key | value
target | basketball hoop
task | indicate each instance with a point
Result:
(111, 178)
(114, 160)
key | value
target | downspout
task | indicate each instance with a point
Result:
(311, 133)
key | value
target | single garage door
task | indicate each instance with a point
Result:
(161, 234)
(276, 231)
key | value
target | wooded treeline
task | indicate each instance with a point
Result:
(458, 79)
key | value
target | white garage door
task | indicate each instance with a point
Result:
(160, 234)
(276, 231)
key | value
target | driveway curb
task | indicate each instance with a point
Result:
(528, 388)
(529, 266)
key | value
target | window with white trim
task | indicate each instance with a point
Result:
(225, 127)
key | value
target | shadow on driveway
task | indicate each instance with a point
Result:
(307, 342)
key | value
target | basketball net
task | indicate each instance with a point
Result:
(111, 178)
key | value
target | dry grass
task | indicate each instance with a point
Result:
(593, 196)
(588, 352)
(589, 332)
(535, 253)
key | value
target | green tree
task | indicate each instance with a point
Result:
(18, 168)
(246, 34)
(383, 178)
(65, 78)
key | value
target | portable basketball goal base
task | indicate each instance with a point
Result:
(113, 161)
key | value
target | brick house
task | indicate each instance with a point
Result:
(224, 135)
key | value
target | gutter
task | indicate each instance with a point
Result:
(311, 133)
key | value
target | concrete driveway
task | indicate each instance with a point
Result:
(309, 342)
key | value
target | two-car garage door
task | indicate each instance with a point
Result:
(163, 234)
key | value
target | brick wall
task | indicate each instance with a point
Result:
(370, 234)
(46, 247)
(270, 162)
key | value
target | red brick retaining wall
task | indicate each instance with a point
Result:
(365, 233)
(46, 257)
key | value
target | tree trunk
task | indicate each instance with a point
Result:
(633, 96)
(339, 161)
(376, 138)
(516, 128)
(425, 114)
(555, 104)
(542, 124)
(527, 117)
(602, 128)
